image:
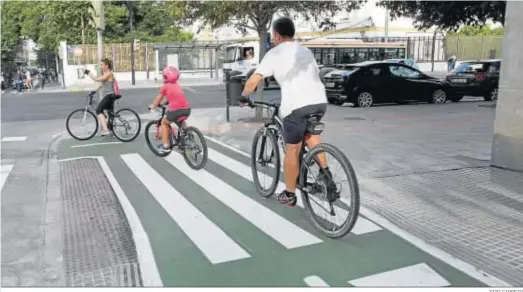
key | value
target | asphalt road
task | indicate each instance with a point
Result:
(55, 105)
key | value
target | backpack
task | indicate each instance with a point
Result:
(116, 88)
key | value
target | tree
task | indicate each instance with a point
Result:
(11, 28)
(256, 16)
(447, 15)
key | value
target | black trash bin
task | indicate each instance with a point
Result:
(234, 88)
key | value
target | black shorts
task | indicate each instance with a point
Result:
(173, 116)
(107, 103)
(295, 123)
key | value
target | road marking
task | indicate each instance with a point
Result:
(14, 139)
(362, 225)
(58, 134)
(283, 231)
(148, 268)
(209, 238)
(315, 281)
(414, 240)
(95, 144)
(6, 170)
(420, 275)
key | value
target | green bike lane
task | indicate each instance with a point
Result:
(211, 228)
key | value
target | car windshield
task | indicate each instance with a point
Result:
(470, 67)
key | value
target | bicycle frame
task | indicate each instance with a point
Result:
(178, 135)
(276, 126)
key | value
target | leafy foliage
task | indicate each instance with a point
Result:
(447, 15)
(49, 22)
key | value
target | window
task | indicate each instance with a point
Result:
(494, 67)
(401, 71)
(231, 54)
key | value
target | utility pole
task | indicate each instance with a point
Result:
(83, 29)
(130, 6)
(98, 20)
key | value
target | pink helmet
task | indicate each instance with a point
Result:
(170, 74)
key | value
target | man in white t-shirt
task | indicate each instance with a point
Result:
(302, 93)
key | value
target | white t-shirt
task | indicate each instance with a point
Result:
(295, 69)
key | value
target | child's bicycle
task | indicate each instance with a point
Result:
(185, 140)
(116, 121)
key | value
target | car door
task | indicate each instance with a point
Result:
(397, 89)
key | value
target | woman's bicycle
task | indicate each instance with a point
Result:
(119, 123)
(195, 154)
(315, 188)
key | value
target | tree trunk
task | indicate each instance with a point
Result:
(262, 34)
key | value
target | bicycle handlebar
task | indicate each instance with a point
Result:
(253, 103)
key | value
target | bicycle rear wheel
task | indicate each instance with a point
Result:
(268, 158)
(153, 137)
(325, 222)
(123, 120)
(85, 117)
(192, 148)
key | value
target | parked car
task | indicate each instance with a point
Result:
(368, 83)
(475, 78)
(409, 62)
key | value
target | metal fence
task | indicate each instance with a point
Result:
(208, 56)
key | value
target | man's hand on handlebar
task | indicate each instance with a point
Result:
(245, 102)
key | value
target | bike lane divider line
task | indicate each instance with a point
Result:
(95, 144)
(315, 281)
(362, 225)
(420, 275)
(283, 231)
(14, 139)
(148, 268)
(209, 238)
(6, 170)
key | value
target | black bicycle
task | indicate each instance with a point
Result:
(185, 139)
(315, 188)
(116, 121)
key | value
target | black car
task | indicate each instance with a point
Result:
(476, 78)
(368, 83)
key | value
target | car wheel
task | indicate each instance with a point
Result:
(365, 99)
(492, 95)
(439, 96)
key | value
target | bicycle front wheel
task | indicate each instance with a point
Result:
(326, 198)
(195, 148)
(87, 121)
(153, 137)
(265, 156)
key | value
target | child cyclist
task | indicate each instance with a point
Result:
(178, 104)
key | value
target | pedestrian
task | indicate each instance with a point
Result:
(28, 81)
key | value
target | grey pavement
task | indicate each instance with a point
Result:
(425, 168)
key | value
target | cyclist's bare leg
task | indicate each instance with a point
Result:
(312, 141)
(165, 132)
(103, 122)
(290, 166)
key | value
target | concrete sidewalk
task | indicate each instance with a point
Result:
(424, 168)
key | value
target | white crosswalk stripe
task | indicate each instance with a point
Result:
(209, 238)
(362, 225)
(272, 224)
(6, 170)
